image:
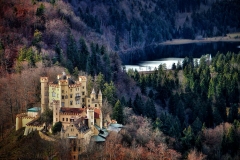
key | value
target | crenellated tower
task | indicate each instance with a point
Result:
(56, 108)
(90, 115)
(44, 93)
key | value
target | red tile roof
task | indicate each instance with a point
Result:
(71, 110)
(97, 113)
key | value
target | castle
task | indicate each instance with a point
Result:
(80, 114)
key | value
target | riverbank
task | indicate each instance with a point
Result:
(232, 37)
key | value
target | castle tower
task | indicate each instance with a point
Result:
(83, 81)
(93, 94)
(44, 93)
(100, 98)
(90, 116)
(56, 108)
(18, 122)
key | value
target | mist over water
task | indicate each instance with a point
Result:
(151, 65)
(151, 57)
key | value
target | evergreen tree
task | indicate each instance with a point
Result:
(197, 125)
(72, 54)
(123, 101)
(138, 105)
(109, 92)
(100, 82)
(75, 72)
(151, 94)
(83, 54)
(188, 138)
(180, 111)
(103, 50)
(217, 117)
(57, 127)
(233, 113)
(158, 123)
(174, 66)
(107, 68)
(150, 109)
(229, 144)
(118, 112)
(143, 84)
(90, 66)
(58, 52)
(130, 103)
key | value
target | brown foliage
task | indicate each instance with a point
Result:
(212, 139)
(136, 141)
(194, 155)
(21, 91)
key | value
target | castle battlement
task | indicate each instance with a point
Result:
(55, 102)
(21, 115)
(43, 79)
(75, 85)
(82, 78)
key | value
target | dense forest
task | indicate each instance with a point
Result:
(117, 25)
(188, 112)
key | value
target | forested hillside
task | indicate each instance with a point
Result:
(48, 27)
(189, 112)
(199, 104)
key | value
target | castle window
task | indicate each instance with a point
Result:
(83, 87)
(62, 97)
(63, 119)
(70, 95)
(91, 123)
(53, 94)
(71, 102)
(89, 105)
(56, 113)
(79, 149)
(83, 93)
(76, 134)
(62, 104)
(95, 105)
(83, 100)
(66, 97)
(77, 102)
(62, 91)
(66, 119)
(56, 119)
